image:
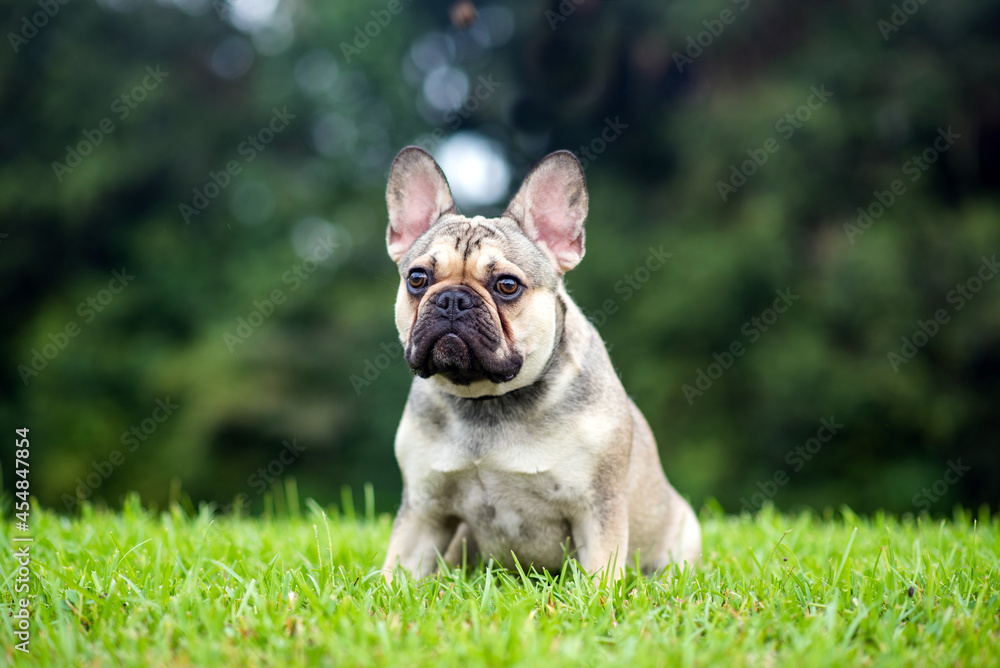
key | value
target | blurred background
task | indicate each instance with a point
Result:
(793, 231)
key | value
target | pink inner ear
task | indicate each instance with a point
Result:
(556, 222)
(419, 210)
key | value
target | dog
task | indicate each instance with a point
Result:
(518, 441)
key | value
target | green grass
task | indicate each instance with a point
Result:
(181, 588)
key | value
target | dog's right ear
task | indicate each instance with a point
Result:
(551, 206)
(417, 195)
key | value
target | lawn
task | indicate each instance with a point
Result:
(180, 587)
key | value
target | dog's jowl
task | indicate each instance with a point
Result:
(518, 439)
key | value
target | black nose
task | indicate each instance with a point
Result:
(452, 302)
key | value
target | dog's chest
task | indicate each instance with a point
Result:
(511, 511)
(514, 501)
(517, 483)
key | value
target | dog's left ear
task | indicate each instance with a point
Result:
(551, 207)
(417, 195)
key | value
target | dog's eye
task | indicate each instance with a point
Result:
(417, 280)
(508, 286)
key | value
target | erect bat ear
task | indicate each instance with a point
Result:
(417, 195)
(551, 207)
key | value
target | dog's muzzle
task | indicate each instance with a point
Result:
(455, 336)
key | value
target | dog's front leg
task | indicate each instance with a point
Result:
(416, 542)
(601, 536)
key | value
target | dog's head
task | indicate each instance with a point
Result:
(477, 306)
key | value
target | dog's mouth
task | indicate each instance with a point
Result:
(463, 357)
(451, 356)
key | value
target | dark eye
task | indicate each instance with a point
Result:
(507, 286)
(417, 280)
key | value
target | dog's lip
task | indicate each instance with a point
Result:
(450, 338)
(452, 344)
(463, 350)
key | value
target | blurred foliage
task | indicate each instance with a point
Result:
(564, 72)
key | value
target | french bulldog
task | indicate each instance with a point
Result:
(518, 440)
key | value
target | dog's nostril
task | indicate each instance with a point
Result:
(454, 300)
(446, 301)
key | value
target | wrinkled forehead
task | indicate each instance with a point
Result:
(478, 248)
